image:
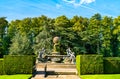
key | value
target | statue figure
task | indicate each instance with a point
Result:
(41, 55)
(68, 51)
(71, 56)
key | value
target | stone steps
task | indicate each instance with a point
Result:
(57, 77)
(55, 65)
(56, 71)
(57, 68)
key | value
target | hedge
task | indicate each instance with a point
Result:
(2, 67)
(18, 64)
(89, 64)
(112, 65)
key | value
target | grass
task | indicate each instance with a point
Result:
(102, 76)
(19, 76)
(1, 58)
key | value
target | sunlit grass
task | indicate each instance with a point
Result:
(20, 76)
(103, 76)
(1, 58)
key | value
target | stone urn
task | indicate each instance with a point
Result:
(56, 39)
(56, 47)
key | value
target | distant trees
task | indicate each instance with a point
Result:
(3, 36)
(115, 42)
(106, 36)
(94, 35)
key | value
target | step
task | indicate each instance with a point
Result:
(57, 77)
(40, 65)
(61, 71)
(60, 65)
(55, 65)
(62, 77)
(57, 68)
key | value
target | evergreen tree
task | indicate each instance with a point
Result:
(21, 45)
(43, 40)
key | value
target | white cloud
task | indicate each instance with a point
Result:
(58, 6)
(86, 1)
(70, 1)
(79, 2)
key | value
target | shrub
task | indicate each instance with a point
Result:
(112, 65)
(89, 64)
(2, 67)
(18, 64)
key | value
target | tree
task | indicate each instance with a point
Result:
(91, 35)
(62, 28)
(106, 36)
(60, 25)
(43, 40)
(21, 45)
(3, 27)
(13, 28)
(79, 25)
(116, 37)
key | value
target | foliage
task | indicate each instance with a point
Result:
(89, 64)
(96, 64)
(43, 40)
(116, 37)
(2, 67)
(21, 45)
(95, 35)
(3, 27)
(13, 28)
(18, 64)
(107, 27)
(91, 35)
(112, 65)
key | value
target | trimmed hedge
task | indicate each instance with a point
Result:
(2, 67)
(18, 64)
(112, 65)
(89, 64)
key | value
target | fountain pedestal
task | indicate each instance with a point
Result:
(55, 59)
(56, 50)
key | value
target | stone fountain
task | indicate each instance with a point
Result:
(55, 55)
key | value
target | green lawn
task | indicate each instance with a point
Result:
(1, 58)
(103, 76)
(15, 76)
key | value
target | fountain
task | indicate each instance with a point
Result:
(55, 66)
(55, 55)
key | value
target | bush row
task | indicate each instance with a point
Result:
(18, 64)
(112, 65)
(89, 64)
(2, 67)
(96, 64)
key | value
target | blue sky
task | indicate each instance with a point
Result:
(19, 9)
